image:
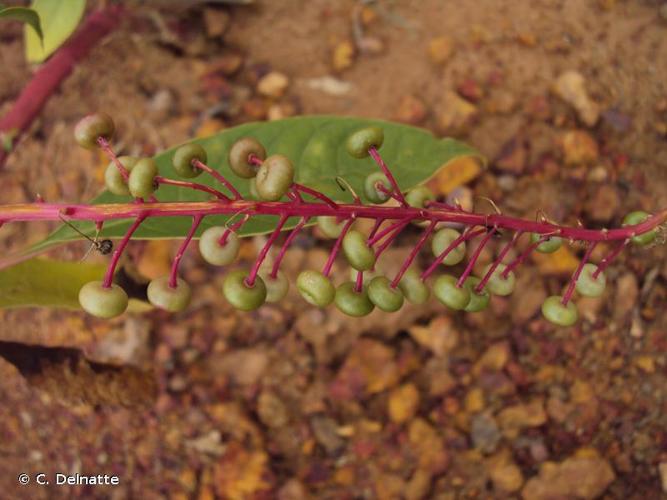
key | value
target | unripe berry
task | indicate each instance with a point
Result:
(215, 253)
(239, 154)
(161, 295)
(103, 302)
(91, 127)
(417, 197)
(587, 285)
(383, 296)
(351, 302)
(497, 284)
(276, 288)
(142, 178)
(183, 158)
(315, 288)
(637, 218)
(274, 177)
(442, 239)
(361, 141)
(330, 226)
(240, 295)
(252, 189)
(552, 244)
(114, 180)
(358, 253)
(413, 288)
(371, 191)
(558, 314)
(478, 301)
(448, 293)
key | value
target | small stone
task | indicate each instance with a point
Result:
(571, 88)
(343, 56)
(627, 291)
(513, 156)
(579, 148)
(562, 262)
(216, 22)
(244, 366)
(474, 400)
(494, 358)
(403, 403)
(439, 336)
(646, 363)
(575, 477)
(440, 49)
(293, 489)
(484, 433)
(271, 410)
(274, 84)
(470, 90)
(604, 204)
(370, 45)
(329, 85)
(662, 470)
(455, 114)
(505, 474)
(515, 418)
(411, 110)
(279, 111)
(500, 102)
(325, 431)
(227, 64)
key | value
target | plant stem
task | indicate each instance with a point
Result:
(390, 177)
(217, 176)
(406, 264)
(191, 185)
(443, 255)
(474, 258)
(573, 281)
(336, 248)
(181, 251)
(250, 280)
(480, 286)
(108, 278)
(283, 249)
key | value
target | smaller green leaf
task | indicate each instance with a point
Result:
(25, 15)
(46, 282)
(59, 20)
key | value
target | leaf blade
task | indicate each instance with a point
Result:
(28, 16)
(58, 21)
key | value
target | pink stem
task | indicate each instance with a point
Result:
(191, 185)
(519, 260)
(383, 166)
(234, 227)
(375, 229)
(443, 255)
(474, 257)
(413, 254)
(218, 176)
(446, 206)
(336, 248)
(106, 147)
(316, 194)
(254, 160)
(480, 286)
(359, 282)
(380, 187)
(288, 242)
(250, 280)
(573, 281)
(47, 79)
(372, 240)
(609, 258)
(380, 250)
(108, 277)
(181, 251)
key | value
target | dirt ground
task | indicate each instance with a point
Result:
(566, 98)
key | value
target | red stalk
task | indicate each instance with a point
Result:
(480, 286)
(469, 233)
(406, 264)
(573, 281)
(250, 280)
(283, 249)
(474, 258)
(390, 177)
(181, 251)
(108, 277)
(336, 248)
(219, 177)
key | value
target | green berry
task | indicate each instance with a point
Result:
(498, 285)
(114, 179)
(103, 302)
(587, 285)
(252, 189)
(276, 288)
(448, 293)
(383, 295)
(215, 253)
(361, 141)
(330, 226)
(552, 244)
(413, 288)
(274, 177)
(142, 178)
(637, 218)
(441, 241)
(351, 302)
(418, 196)
(478, 301)
(240, 295)
(183, 158)
(315, 288)
(239, 154)
(358, 253)
(161, 295)
(373, 194)
(558, 314)
(91, 127)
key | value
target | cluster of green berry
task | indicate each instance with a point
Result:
(271, 179)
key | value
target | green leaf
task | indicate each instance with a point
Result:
(45, 282)
(28, 16)
(316, 145)
(59, 20)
